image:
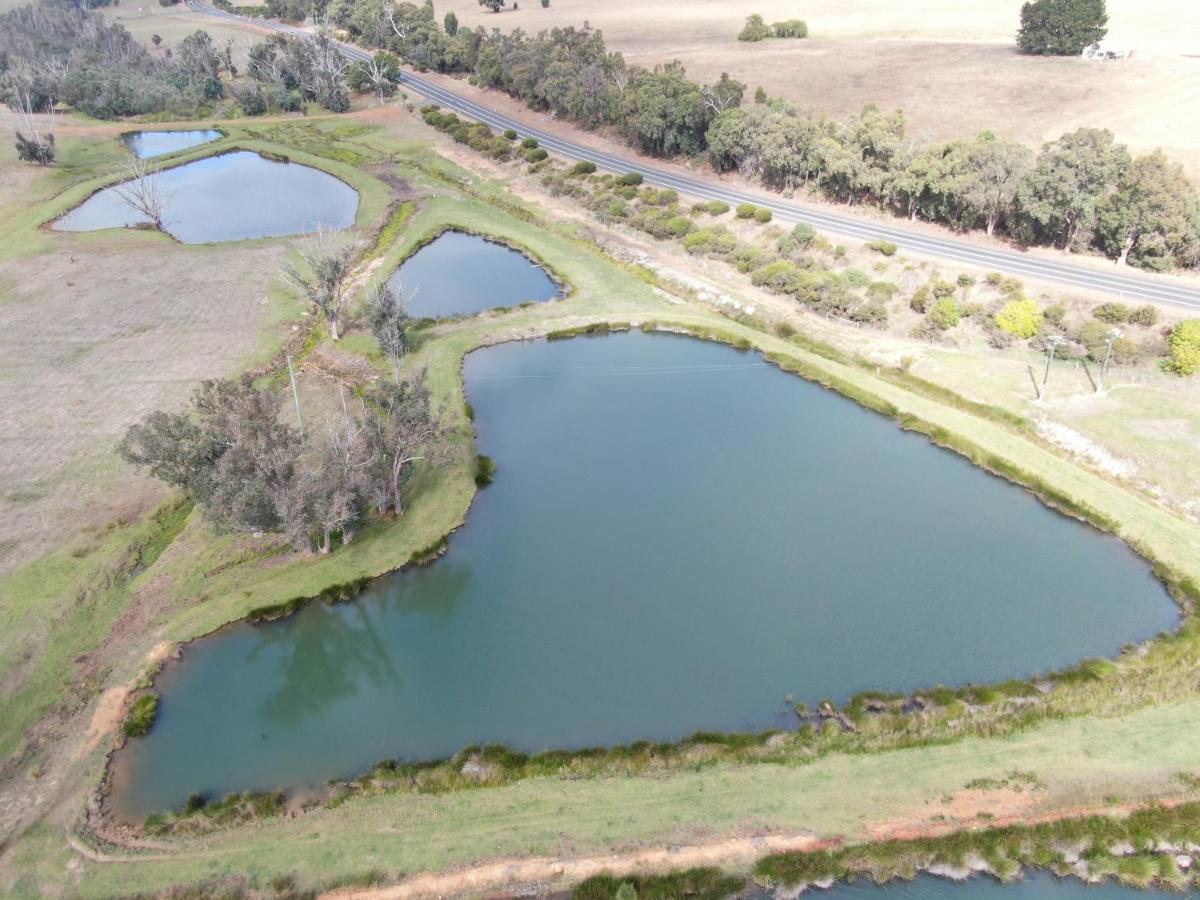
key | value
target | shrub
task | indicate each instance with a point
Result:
(1113, 313)
(485, 470)
(763, 216)
(537, 154)
(1054, 314)
(627, 193)
(779, 276)
(698, 242)
(873, 312)
(790, 28)
(617, 209)
(856, 278)
(755, 29)
(511, 134)
(581, 168)
(1020, 318)
(529, 143)
(678, 226)
(1184, 347)
(717, 207)
(1144, 315)
(750, 258)
(965, 281)
(1095, 335)
(941, 288)
(666, 197)
(944, 314)
(1010, 286)
(746, 210)
(919, 301)
(141, 716)
(887, 248)
(630, 179)
(881, 290)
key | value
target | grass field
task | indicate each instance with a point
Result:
(949, 64)
(85, 617)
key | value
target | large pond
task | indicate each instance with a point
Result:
(1034, 886)
(230, 197)
(462, 274)
(679, 535)
(145, 144)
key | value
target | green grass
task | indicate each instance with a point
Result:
(140, 718)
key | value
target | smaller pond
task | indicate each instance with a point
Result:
(1034, 886)
(231, 197)
(462, 274)
(145, 144)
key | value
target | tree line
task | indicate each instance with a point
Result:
(58, 51)
(1082, 191)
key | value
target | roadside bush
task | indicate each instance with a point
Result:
(510, 134)
(762, 216)
(1113, 313)
(629, 179)
(779, 276)
(1093, 336)
(965, 281)
(856, 278)
(627, 193)
(666, 197)
(1144, 315)
(1054, 314)
(746, 210)
(678, 226)
(919, 302)
(616, 209)
(750, 258)
(717, 207)
(530, 143)
(941, 289)
(1020, 318)
(581, 168)
(944, 314)
(535, 155)
(881, 290)
(872, 313)
(887, 248)
(1183, 346)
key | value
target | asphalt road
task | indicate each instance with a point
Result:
(1122, 283)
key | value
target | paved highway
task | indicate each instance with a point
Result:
(1121, 283)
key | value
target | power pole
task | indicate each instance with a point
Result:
(1052, 346)
(1110, 339)
(295, 393)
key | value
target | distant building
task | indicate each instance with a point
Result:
(1106, 49)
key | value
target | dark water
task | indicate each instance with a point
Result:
(462, 274)
(678, 536)
(155, 143)
(1034, 886)
(231, 197)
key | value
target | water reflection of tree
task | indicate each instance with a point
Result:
(328, 653)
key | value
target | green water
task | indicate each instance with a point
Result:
(678, 537)
(462, 274)
(230, 197)
(145, 144)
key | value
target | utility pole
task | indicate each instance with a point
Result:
(295, 393)
(1110, 339)
(1052, 346)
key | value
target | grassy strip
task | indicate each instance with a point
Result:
(1138, 850)
(141, 715)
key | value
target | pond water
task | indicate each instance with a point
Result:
(462, 274)
(678, 536)
(145, 144)
(231, 197)
(1034, 886)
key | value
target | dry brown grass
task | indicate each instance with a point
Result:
(950, 65)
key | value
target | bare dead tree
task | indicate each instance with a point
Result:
(33, 143)
(327, 260)
(142, 190)
(389, 323)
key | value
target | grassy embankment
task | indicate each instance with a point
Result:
(215, 580)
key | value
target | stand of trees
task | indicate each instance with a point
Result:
(251, 472)
(1061, 27)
